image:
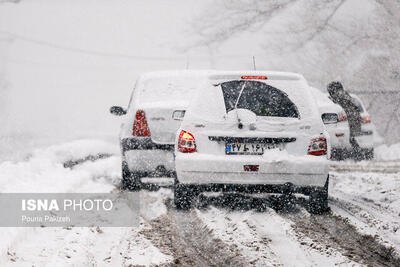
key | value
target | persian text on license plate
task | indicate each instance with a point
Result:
(248, 148)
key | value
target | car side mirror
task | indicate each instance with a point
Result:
(178, 115)
(329, 118)
(117, 111)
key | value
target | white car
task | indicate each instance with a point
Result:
(156, 107)
(253, 131)
(336, 124)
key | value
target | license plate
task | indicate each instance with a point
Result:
(248, 148)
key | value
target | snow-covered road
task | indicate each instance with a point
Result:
(362, 229)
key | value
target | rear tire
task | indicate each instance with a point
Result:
(318, 203)
(184, 196)
(338, 154)
(369, 154)
(130, 180)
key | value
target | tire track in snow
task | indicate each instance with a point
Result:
(370, 218)
(189, 241)
(234, 228)
(268, 239)
(368, 200)
(336, 232)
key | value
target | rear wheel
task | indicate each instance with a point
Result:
(369, 154)
(130, 180)
(184, 196)
(318, 202)
(338, 154)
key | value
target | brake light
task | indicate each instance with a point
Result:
(140, 126)
(366, 119)
(254, 77)
(186, 142)
(318, 146)
(342, 116)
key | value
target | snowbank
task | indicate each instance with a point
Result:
(44, 171)
(385, 152)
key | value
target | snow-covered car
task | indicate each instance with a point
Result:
(252, 131)
(157, 105)
(336, 124)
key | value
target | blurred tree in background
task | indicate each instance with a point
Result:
(354, 41)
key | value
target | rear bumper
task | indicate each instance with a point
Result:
(149, 160)
(366, 139)
(203, 170)
(341, 142)
(257, 188)
(144, 156)
(143, 143)
(339, 137)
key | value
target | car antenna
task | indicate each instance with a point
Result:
(240, 124)
(254, 63)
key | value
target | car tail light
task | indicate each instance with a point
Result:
(366, 119)
(186, 142)
(318, 147)
(342, 116)
(140, 126)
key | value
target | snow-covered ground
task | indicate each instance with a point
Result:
(385, 152)
(363, 225)
(45, 171)
(370, 200)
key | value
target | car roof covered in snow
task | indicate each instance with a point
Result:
(222, 74)
(174, 73)
(176, 85)
(325, 104)
(270, 75)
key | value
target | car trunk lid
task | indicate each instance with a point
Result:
(161, 123)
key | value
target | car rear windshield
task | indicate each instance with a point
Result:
(259, 97)
(358, 104)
